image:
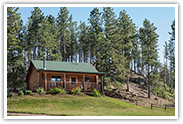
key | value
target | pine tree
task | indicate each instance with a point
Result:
(128, 39)
(172, 54)
(36, 19)
(83, 40)
(148, 37)
(63, 24)
(166, 79)
(95, 33)
(15, 68)
(48, 42)
(110, 58)
(72, 39)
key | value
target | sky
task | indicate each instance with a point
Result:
(162, 18)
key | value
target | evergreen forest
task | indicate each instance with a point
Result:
(111, 43)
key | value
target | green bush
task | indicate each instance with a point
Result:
(28, 92)
(57, 91)
(20, 93)
(96, 93)
(76, 91)
(9, 95)
(40, 90)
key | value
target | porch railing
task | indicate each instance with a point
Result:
(88, 86)
(54, 84)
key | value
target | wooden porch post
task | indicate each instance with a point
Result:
(97, 82)
(65, 81)
(42, 79)
(83, 82)
(45, 81)
(102, 85)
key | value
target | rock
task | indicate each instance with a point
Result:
(120, 91)
(128, 93)
(142, 83)
(112, 94)
(133, 73)
(155, 98)
(125, 98)
(116, 96)
(132, 100)
(113, 90)
(143, 93)
(134, 95)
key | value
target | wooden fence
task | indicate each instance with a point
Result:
(161, 106)
(135, 102)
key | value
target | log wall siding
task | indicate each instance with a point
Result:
(34, 80)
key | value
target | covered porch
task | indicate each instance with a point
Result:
(70, 81)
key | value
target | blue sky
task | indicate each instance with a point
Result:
(162, 18)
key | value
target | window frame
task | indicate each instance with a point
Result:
(88, 77)
(56, 78)
(73, 77)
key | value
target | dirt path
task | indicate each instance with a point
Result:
(26, 114)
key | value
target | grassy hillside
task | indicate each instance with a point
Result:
(71, 105)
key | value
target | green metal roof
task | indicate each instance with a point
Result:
(66, 66)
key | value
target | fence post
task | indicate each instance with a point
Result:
(151, 105)
(165, 107)
(136, 102)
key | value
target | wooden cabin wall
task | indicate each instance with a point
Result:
(34, 79)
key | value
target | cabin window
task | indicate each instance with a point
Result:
(73, 79)
(55, 78)
(87, 79)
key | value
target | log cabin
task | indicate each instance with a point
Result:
(68, 75)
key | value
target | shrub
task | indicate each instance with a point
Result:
(57, 91)
(76, 91)
(63, 91)
(40, 90)
(96, 93)
(20, 93)
(9, 95)
(28, 92)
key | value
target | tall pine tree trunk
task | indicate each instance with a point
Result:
(34, 46)
(84, 52)
(128, 89)
(80, 57)
(65, 59)
(164, 74)
(171, 79)
(134, 64)
(71, 51)
(149, 86)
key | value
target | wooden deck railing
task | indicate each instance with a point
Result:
(54, 84)
(88, 86)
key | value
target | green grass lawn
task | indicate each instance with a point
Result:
(71, 105)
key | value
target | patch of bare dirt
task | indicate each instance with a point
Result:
(26, 114)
